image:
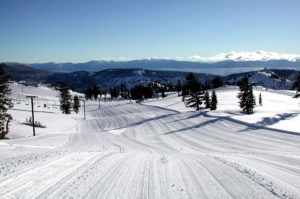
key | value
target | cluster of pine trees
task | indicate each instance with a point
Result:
(152, 90)
(194, 94)
(66, 103)
(138, 92)
(92, 92)
(247, 98)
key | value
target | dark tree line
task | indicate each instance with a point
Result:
(140, 93)
(66, 103)
(92, 92)
(152, 90)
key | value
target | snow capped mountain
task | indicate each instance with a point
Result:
(259, 55)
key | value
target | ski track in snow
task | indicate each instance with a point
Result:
(140, 151)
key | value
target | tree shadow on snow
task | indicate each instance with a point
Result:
(273, 120)
(247, 126)
(252, 126)
(194, 127)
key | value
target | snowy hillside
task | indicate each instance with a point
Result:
(156, 149)
(46, 107)
(267, 78)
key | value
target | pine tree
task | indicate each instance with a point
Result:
(88, 93)
(124, 91)
(114, 92)
(195, 93)
(214, 101)
(76, 104)
(260, 99)
(247, 99)
(95, 91)
(163, 91)
(5, 102)
(296, 86)
(65, 99)
(178, 87)
(250, 103)
(104, 92)
(206, 100)
(217, 82)
(183, 93)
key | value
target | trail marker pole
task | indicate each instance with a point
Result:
(32, 112)
(99, 101)
(84, 109)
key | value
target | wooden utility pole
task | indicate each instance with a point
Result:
(32, 112)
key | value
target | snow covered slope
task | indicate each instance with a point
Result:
(158, 149)
(268, 78)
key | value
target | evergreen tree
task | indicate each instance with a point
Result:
(163, 91)
(139, 93)
(206, 85)
(169, 87)
(260, 99)
(88, 93)
(114, 92)
(136, 93)
(214, 101)
(296, 86)
(124, 91)
(250, 102)
(5, 102)
(148, 92)
(217, 82)
(195, 94)
(95, 91)
(104, 92)
(247, 99)
(65, 99)
(178, 87)
(76, 104)
(206, 100)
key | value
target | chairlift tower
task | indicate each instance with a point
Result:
(32, 112)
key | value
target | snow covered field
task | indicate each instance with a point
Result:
(156, 149)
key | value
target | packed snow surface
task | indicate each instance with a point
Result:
(156, 149)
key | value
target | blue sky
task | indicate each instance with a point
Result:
(79, 31)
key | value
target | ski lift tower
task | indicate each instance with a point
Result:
(83, 100)
(32, 112)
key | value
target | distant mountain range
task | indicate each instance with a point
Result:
(269, 78)
(218, 68)
(104, 78)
